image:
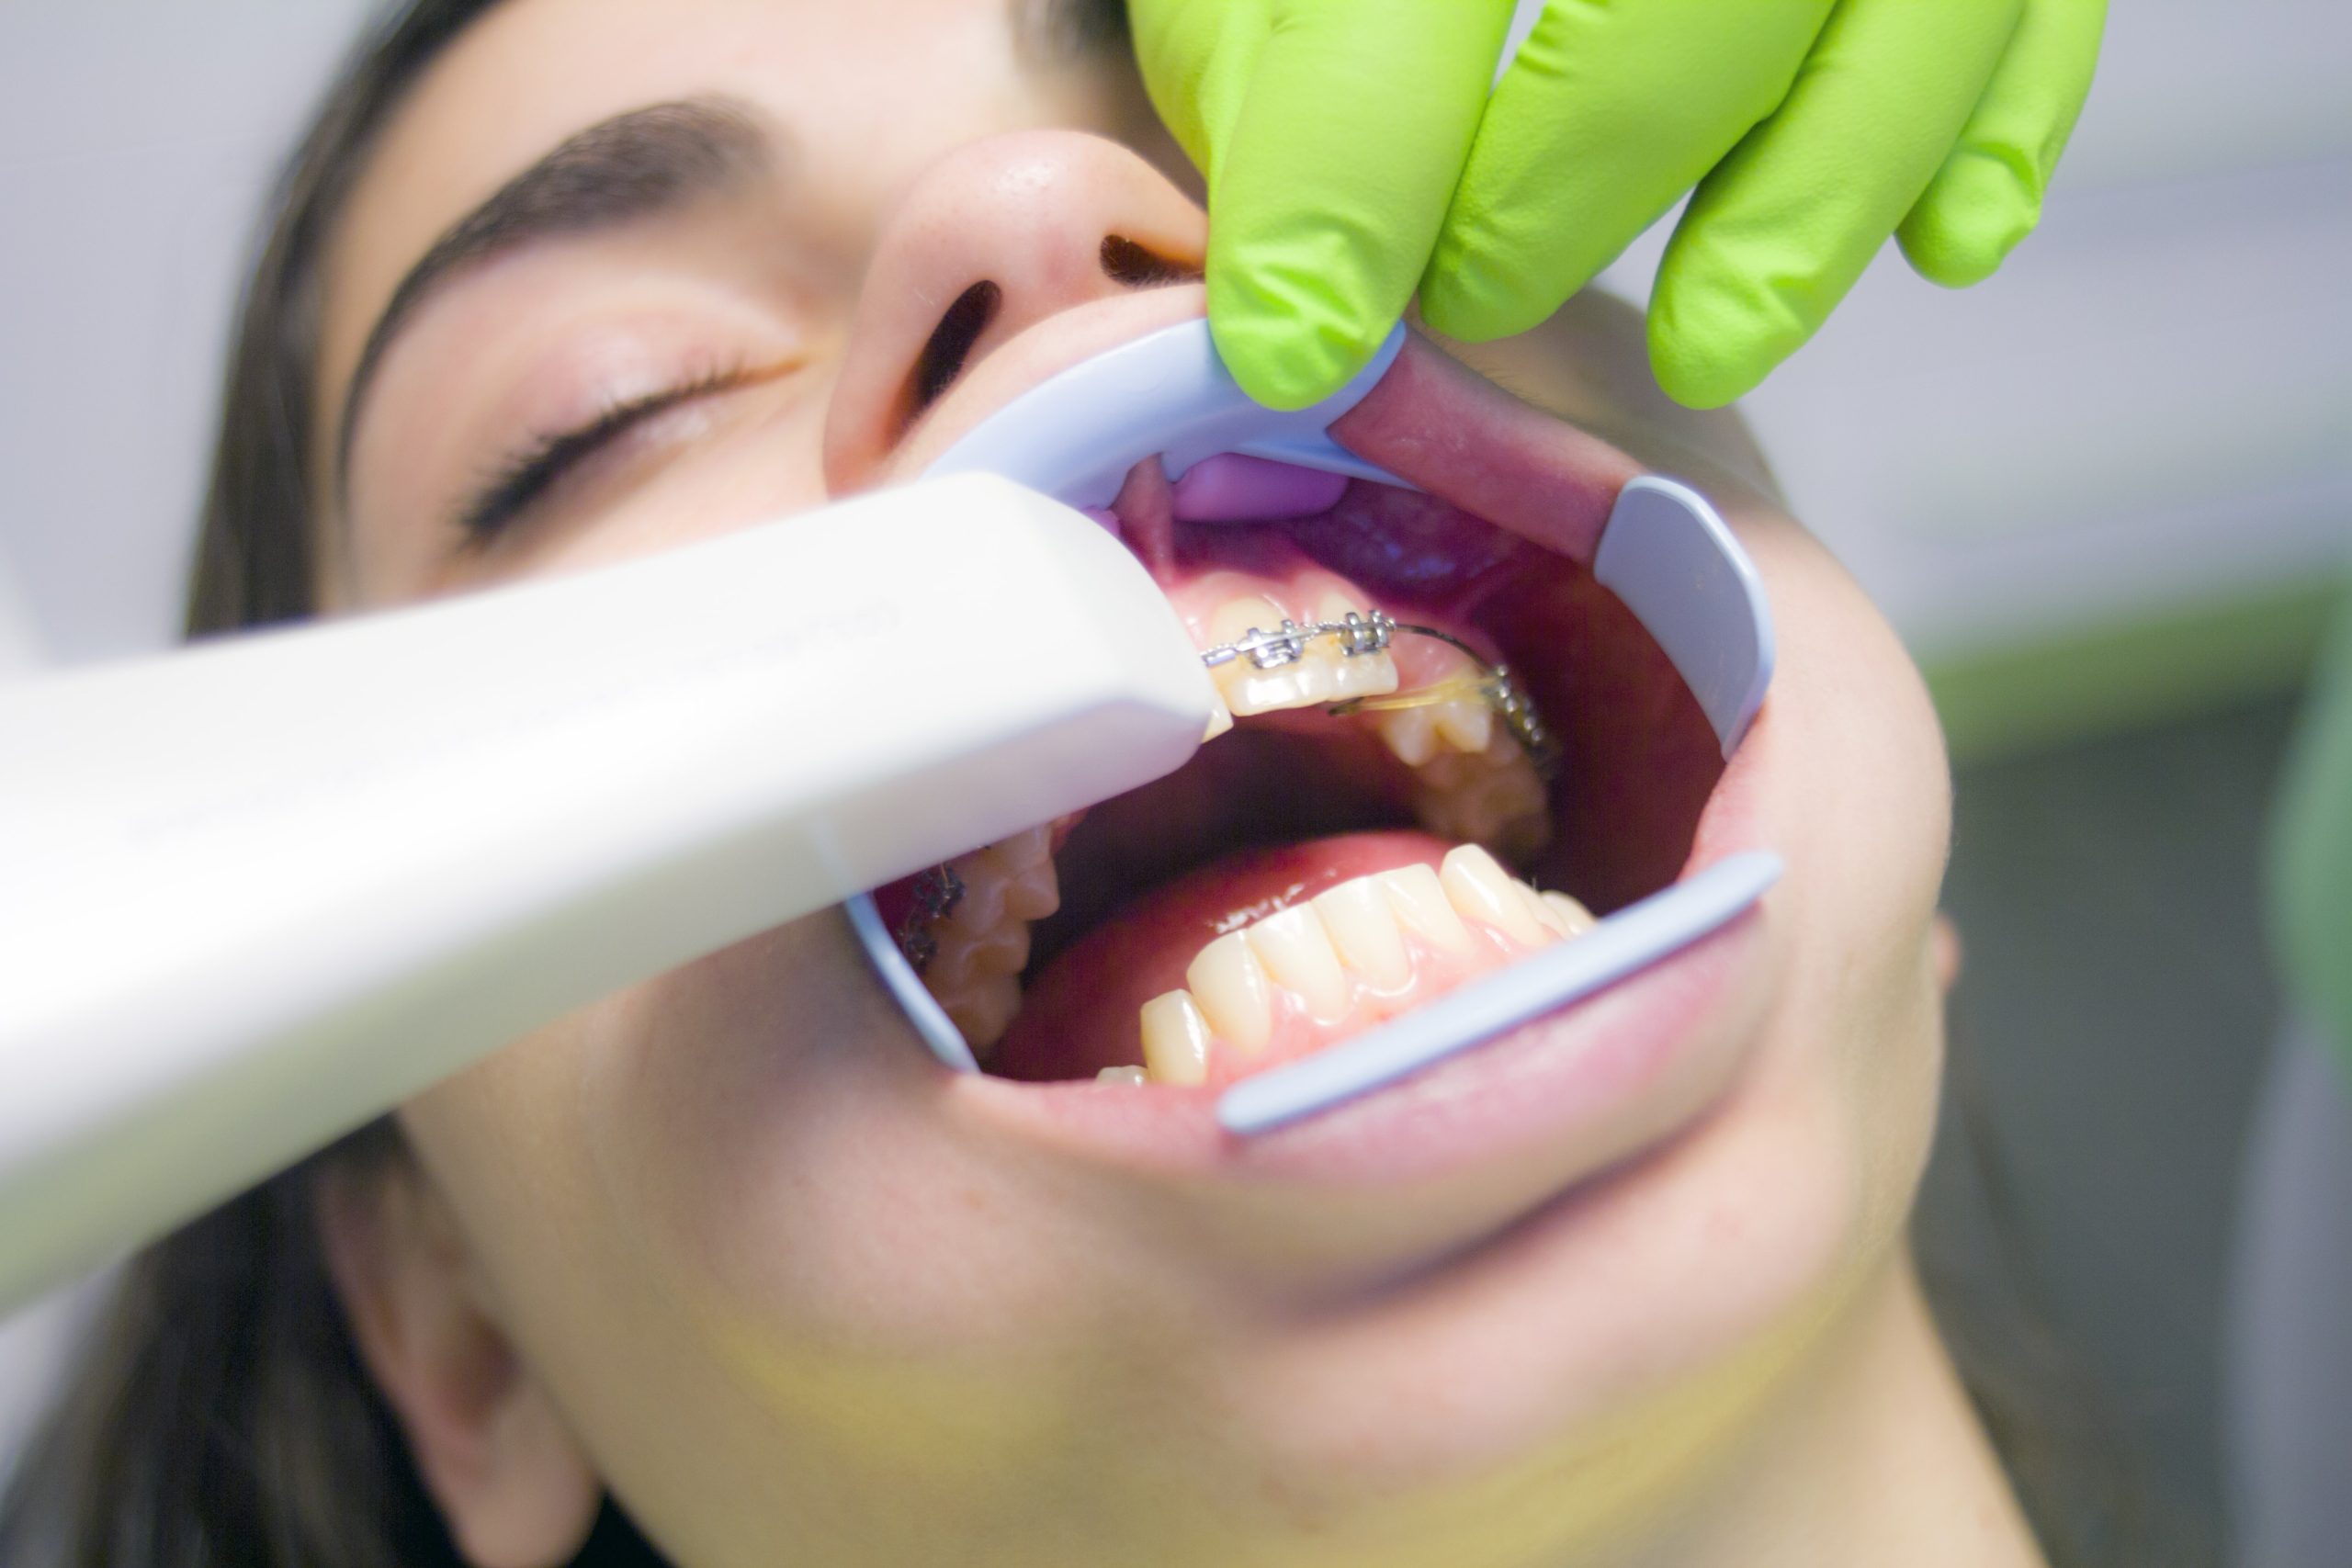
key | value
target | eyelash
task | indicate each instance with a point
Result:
(522, 478)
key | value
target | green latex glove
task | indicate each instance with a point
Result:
(1353, 154)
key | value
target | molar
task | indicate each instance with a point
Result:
(1025, 861)
(981, 945)
(967, 956)
(983, 1008)
(1493, 798)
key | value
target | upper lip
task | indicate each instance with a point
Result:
(1429, 421)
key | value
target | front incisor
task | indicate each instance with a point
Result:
(1298, 957)
(1230, 987)
(1365, 929)
(1175, 1040)
(1362, 674)
(1419, 900)
(1322, 674)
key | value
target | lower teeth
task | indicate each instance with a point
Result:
(1355, 955)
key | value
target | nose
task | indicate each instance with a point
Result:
(996, 237)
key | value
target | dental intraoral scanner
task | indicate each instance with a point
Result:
(254, 893)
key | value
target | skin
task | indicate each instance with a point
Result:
(721, 1245)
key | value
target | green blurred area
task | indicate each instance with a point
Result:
(2106, 678)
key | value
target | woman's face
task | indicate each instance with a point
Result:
(772, 1272)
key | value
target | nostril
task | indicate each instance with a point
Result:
(948, 351)
(950, 345)
(1132, 265)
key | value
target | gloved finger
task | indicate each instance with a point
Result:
(1326, 187)
(1612, 110)
(1987, 195)
(1778, 233)
(1194, 62)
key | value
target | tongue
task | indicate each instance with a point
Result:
(1080, 1012)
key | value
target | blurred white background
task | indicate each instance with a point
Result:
(2149, 411)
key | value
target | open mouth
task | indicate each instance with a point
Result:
(1443, 748)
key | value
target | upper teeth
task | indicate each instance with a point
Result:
(1299, 664)
(1362, 671)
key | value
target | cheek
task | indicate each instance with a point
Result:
(1795, 1200)
(765, 1129)
(1830, 1129)
(766, 1143)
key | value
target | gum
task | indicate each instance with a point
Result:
(1186, 534)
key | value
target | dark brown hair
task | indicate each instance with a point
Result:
(219, 1414)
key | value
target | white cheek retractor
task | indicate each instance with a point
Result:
(256, 892)
(1664, 552)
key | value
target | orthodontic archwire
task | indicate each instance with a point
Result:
(1362, 634)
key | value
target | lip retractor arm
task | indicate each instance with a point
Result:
(256, 892)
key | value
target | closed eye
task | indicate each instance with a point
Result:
(522, 479)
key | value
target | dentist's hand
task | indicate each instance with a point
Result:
(1353, 154)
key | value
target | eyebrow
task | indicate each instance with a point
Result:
(617, 172)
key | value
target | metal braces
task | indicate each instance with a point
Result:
(936, 893)
(1286, 644)
(1371, 633)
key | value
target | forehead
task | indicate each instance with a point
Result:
(862, 95)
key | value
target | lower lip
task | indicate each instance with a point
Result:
(1580, 1074)
(1616, 1072)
